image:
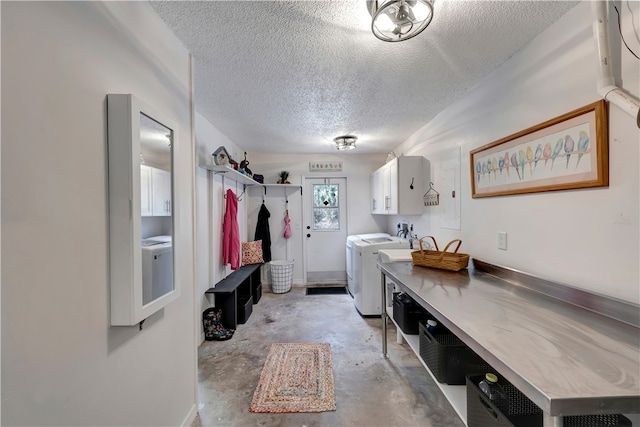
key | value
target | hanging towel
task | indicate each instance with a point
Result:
(262, 232)
(231, 233)
(287, 226)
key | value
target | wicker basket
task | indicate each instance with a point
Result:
(440, 259)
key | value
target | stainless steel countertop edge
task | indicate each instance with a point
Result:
(614, 308)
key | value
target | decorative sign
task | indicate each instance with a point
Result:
(325, 166)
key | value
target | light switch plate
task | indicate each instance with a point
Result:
(502, 240)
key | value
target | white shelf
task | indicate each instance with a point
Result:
(455, 394)
(288, 188)
(231, 174)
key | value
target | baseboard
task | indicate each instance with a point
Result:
(190, 416)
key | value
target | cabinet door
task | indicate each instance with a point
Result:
(377, 193)
(146, 191)
(161, 183)
(392, 192)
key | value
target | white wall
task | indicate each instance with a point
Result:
(61, 362)
(586, 238)
(357, 169)
(210, 209)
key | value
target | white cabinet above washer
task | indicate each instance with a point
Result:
(155, 191)
(397, 187)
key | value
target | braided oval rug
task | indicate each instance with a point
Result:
(296, 377)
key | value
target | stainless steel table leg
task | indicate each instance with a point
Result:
(549, 421)
(383, 283)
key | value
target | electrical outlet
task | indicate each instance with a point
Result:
(502, 240)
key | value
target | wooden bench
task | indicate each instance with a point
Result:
(237, 293)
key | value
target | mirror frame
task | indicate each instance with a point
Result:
(125, 220)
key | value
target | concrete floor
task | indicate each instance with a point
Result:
(369, 390)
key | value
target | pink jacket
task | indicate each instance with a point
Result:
(230, 233)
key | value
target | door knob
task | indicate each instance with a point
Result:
(308, 235)
(308, 227)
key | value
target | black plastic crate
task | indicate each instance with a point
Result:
(245, 307)
(407, 313)
(522, 412)
(481, 412)
(449, 359)
(599, 420)
(257, 293)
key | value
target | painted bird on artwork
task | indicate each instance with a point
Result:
(514, 163)
(556, 151)
(583, 145)
(530, 159)
(537, 156)
(506, 162)
(523, 160)
(501, 164)
(569, 145)
(546, 153)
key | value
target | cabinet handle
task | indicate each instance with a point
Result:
(374, 204)
(387, 202)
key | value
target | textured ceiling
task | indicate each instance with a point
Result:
(289, 76)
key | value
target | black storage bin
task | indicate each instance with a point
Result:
(600, 420)
(257, 293)
(407, 314)
(481, 412)
(448, 358)
(245, 307)
(522, 412)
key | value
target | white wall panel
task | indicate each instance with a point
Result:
(61, 362)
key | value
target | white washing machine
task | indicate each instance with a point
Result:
(157, 270)
(349, 253)
(367, 295)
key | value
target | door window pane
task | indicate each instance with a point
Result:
(326, 209)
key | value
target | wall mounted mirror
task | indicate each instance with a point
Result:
(140, 142)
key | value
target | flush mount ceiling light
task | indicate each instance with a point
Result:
(345, 142)
(397, 20)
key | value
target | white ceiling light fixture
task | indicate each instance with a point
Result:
(345, 142)
(398, 20)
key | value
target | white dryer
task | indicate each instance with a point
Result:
(349, 253)
(367, 295)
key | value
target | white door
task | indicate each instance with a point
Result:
(325, 229)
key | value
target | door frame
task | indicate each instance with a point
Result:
(305, 252)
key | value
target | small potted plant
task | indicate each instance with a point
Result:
(283, 177)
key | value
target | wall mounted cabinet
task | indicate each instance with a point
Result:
(397, 187)
(155, 191)
(135, 132)
(161, 185)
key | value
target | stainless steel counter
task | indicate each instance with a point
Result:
(568, 360)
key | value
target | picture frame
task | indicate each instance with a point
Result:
(567, 152)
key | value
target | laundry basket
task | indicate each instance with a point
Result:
(281, 276)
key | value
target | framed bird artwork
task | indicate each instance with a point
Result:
(568, 152)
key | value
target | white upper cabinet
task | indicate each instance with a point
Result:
(155, 191)
(377, 192)
(397, 187)
(146, 192)
(161, 185)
